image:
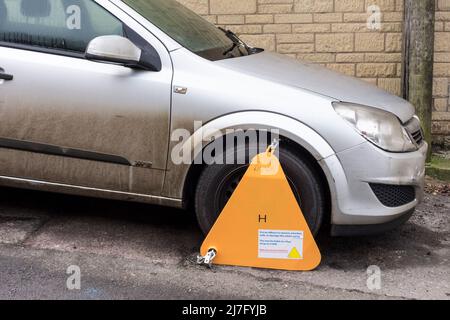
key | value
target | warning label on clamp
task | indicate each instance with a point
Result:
(277, 244)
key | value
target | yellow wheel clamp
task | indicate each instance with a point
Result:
(262, 225)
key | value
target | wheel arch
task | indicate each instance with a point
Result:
(300, 138)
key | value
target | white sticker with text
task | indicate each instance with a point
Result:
(277, 244)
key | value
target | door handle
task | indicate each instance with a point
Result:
(6, 77)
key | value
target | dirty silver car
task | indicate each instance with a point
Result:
(91, 92)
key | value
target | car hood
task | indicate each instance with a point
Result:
(282, 69)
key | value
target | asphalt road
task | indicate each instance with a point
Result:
(134, 251)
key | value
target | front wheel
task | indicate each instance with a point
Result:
(218, 182)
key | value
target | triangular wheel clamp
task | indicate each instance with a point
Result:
(262, 225)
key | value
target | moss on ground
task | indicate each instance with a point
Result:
(439, 167)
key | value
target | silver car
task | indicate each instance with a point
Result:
(93, 91)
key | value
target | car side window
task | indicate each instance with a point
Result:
(67, 25)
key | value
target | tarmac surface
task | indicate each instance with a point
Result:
(134, 251)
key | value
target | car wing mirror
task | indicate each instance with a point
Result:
(116, 50)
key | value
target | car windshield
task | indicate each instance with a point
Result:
(187, 28)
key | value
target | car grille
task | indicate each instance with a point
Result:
(415, 131)
(394, 196)
(417, 137)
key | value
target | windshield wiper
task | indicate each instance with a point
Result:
(233, 46)
(236, 42)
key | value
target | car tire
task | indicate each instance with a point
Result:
(217, 183)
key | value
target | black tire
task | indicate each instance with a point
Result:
(217, 183)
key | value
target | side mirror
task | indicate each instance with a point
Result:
(115, 49)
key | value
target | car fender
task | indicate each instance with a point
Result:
(301, 134)
(262, 120)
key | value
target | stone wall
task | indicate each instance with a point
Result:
(361, 38)
(441, 116)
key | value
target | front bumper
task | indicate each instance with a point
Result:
(354, 203)
(369, 229)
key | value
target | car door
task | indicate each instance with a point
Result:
(67, 120)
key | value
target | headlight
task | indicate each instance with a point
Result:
(380, 127)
